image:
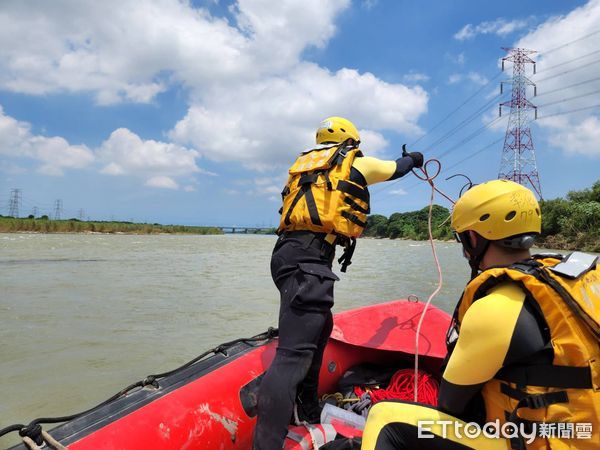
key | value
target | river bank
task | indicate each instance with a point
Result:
(45, 225)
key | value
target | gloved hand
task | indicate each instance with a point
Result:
(417, 158)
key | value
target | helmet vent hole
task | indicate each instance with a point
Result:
(537, 211)
(343, 130)
(510, 216)
(484, 217)
(330, 130)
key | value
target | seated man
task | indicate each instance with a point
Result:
(523, 345)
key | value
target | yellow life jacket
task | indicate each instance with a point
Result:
(319, 195)
(566, 292)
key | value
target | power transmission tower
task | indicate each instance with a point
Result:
(34, 211)
(81, 214)
(518, 154)
(57, 209)
(14, 203)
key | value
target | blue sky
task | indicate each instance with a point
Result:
(190, 112)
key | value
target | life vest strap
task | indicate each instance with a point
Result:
(352, 218)
(532, 401)
(311, 204)
(346, 259)
(308, 178)
(305, 191)
(353, 190)
(355, 206)
(547, 375)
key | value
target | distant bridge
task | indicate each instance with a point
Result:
(246, 230)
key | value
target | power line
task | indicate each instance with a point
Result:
(469, 156)
(463, 141)
(567, 87)
(566, 62)
(570, 98)
(596, 61)
(470, 137)
(450, 114)
(497, 141)
(562, 113)
(593, 33)
(465, 122)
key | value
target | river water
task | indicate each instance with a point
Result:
(83, 316)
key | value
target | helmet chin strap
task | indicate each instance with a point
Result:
(475, 253)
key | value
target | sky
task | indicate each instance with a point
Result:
(191, 112)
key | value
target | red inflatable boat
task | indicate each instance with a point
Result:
(210, 403)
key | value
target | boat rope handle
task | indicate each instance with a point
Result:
(46, 438)
(425, 175)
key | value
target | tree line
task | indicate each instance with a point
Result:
(45, 225)
(571, 223)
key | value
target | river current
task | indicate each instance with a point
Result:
(83, 316)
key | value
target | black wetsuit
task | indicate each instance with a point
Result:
(301, 269)
(494, 341)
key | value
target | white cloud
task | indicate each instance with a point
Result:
(125, 153)
(415, 77)
(370, 4)
(162, 182)
(372, 142)
(477, 78)
(252, 98)
(459, 59)
(268, 186)
(398, 191)
(473, 77)
(557, 80)
(579, 138)
(268, 122)
(500, 27)
(455, 78)
(108, 47)
(54, 154)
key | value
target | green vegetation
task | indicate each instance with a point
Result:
(411, 225)
(567, 224)
(573, 223)
(44, 225)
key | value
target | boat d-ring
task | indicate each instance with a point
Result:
(413, 298)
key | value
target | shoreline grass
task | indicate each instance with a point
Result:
(45, 225)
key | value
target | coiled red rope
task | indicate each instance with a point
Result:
(401, 387)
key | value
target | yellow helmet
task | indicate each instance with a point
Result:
(336, 129)
(497, 210)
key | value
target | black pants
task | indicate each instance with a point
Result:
(301, 270)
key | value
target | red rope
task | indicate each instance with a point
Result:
(401, 387)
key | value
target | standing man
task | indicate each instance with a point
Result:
(523, 347)
(325, 204)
